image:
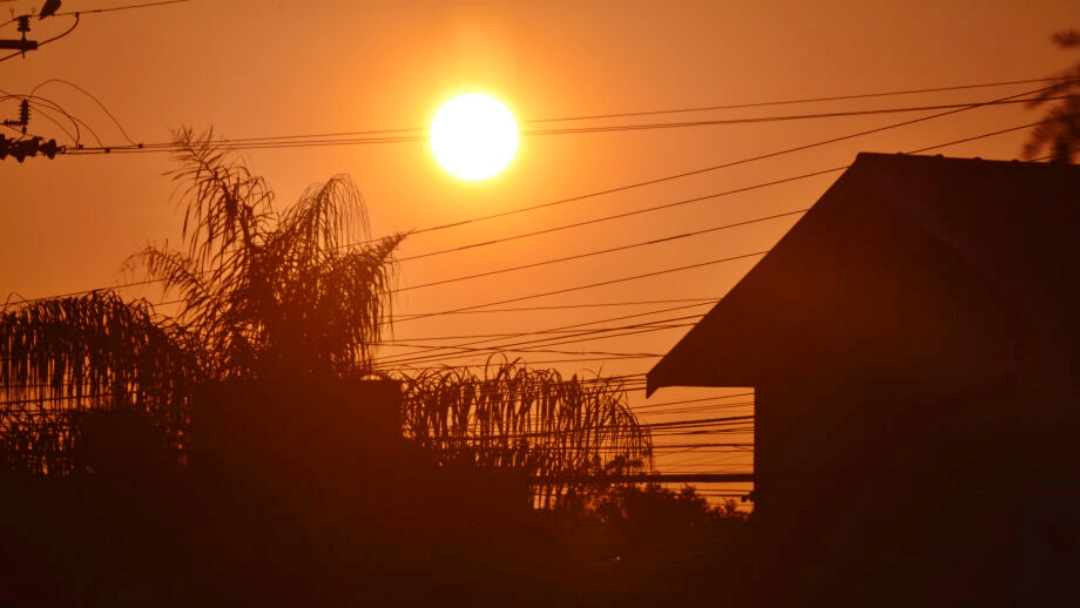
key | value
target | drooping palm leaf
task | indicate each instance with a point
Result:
(227, 208)
(296, 292)
(67, 355)
(329, 285)
(566, 434)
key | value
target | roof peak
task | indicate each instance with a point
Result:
(893, 157)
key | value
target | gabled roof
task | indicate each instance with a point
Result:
(915, 264)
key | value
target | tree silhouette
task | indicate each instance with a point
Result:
(567, 435)
(299, 298)
(93, 352)
(304, 291)
(1060, 133)
(261, 294)
(640, 545)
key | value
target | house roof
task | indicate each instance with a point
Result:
(907, 264)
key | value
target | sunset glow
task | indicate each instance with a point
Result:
(754, 303)
(474, 136)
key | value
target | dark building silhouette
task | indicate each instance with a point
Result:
(912, 342)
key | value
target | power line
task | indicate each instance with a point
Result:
(622, 188)
(574, 328)
(93, 98)
(578, 360)
(972, 138)
(696, 409)
(738, 106)
(600, 283)
(507, 348)
(465, 351)
(419, 135)
(506, 239)
(658, 208)
(697, 400)
(587, 254)
(626, 214)
(562, 330)
(982, 136)
(693, 423)
(474, 308)
(714, 444)
(574, 306)
(764, 119)
(604, 354)
(122, 8)
(699, 422)
(797, 101)
(438, 352)
(719, 166)
(47, 105)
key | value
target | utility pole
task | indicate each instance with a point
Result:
(21, 148)
(24, 147)
(22, 44)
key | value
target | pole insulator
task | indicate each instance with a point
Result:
(21, 149)
(49, 149)
(24, 114)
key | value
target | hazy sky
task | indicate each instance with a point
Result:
(269, 68)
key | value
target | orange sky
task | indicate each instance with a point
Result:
(256, 68)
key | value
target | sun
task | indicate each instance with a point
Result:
(474, 136)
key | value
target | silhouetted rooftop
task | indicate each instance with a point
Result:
(941, 265)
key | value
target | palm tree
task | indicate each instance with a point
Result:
(305, 291)
(62, 357)
(261, 294)
(1059, 134)
(566, 435)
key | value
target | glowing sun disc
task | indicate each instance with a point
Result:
(474, 136)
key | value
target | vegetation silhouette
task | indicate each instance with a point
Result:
(263, 292)
(114, 411)
(242, 451)
(640, 545)
(1060, 135)
(567, 436)
(61, 358)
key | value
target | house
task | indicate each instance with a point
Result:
(912, 345)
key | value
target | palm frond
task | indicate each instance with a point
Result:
(301, 292)
(567, 434)
(227, 208)
(63, 356)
